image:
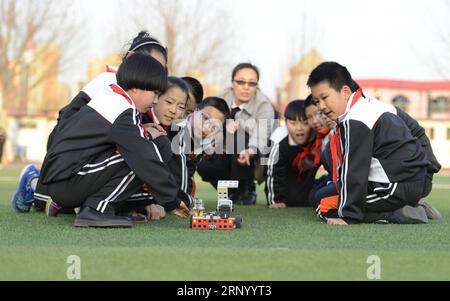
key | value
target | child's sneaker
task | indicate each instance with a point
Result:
(52, 209)
(432, 213)
(24, 195)
(410, 215)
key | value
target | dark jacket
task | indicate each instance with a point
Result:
(109, 120)
(377, 146)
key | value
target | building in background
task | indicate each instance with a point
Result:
(422, 100)
(427, 102)
(39, 95)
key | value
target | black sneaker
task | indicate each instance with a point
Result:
(249, 198)
(432, 213)
(88, 217)
(410, 215)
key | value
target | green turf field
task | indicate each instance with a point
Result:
(284, 244)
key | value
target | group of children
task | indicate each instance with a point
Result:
(126, 148)
(378, 160)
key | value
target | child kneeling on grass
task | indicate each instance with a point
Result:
(379, 168)
(102, 154)
(293, 160)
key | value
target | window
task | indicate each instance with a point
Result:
(440, 105)
(430, 133)
(401, 101)
(448, 134)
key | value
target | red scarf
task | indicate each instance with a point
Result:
(318, 145)
(299, 162)
(153, 120)
(335, 143)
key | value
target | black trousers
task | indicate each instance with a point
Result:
(103, 184)
(297, 190)
(382, 199)
(428, 184)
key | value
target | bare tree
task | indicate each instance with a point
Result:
(23, 25)
(305, 40)
(435, 53)
(196, 32)
(308, 36)
(443, 35)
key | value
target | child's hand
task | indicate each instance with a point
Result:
(245, 156)
(232, 127)
(336, 221)
(181, 211)
(155, 211)
(155, 130)
(278, 206)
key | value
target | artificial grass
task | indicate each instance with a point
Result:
(284, 244)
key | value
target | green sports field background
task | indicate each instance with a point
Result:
(284, 244)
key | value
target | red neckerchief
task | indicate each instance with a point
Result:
(335, 143)
(318, 145)
(298, 163)
(153, 120)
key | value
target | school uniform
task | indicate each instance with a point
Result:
(41, 194)
(419, 132)
(187, 156)
(291, 169)
(94, 87)
(101, 155)
(378, 165)
(181, 164)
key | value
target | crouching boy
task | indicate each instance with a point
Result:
(379, 168)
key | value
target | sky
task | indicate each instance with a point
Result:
(388, 39)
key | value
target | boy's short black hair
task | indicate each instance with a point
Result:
(309, 101)
(141, 71)
(295, 110)
(216, 102)
(195, 87)
(336, 74)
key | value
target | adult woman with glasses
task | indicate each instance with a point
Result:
(251, 117)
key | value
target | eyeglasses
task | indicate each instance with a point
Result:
(243, 83)
(208, 123)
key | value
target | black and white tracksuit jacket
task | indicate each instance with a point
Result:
(283, 183)
(419, 132)
(180, 164)
(103, 80)
(185, 159)
(103, 117)
(376, 146)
